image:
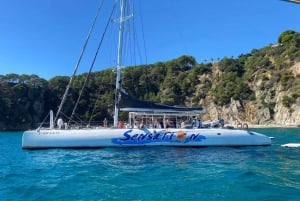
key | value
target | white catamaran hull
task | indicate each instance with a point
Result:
(93, 138)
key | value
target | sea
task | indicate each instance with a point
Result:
(152, 173)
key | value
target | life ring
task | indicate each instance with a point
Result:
(245, 126)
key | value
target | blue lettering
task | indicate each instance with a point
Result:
(156, 136)
(142, 136)
(201, 137)
(194, 136)
(126, 135)
(163, 137)
(134, 137)
(171, 136)
(149, 137)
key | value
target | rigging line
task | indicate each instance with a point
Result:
(78, 119)
(43, 121)
(135, 48)
(126, 46)
(98, 98)
(130, 44)
(143, 36)
(131, 24)
(95, 105)
(92, 65)
(143, 33)
(78, 62)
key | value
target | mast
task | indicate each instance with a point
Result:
(119, 61)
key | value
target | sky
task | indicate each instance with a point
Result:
(45, 37)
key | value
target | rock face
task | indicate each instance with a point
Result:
(286, 116)
(268, 108)
(251, 113)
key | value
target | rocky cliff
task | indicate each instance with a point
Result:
(269, 107)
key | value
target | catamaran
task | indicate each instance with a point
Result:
(176, 126)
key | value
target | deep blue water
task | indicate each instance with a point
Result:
(159, 173)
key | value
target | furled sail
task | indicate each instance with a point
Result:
(131, 104)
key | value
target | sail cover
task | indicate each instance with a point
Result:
(130, 104)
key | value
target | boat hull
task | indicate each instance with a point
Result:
(93, 138)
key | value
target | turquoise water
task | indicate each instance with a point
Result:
(160, 173)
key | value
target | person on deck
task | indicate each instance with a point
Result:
(198, 123)
(157, 124)
(105, 123)
(120, 124)
(182, 124)
(60, 123)
(136, 124)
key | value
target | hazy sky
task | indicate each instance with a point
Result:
(45, 37)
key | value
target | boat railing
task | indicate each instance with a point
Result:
(74, 125)
(187, 124)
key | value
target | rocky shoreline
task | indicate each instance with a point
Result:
(264, 126)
